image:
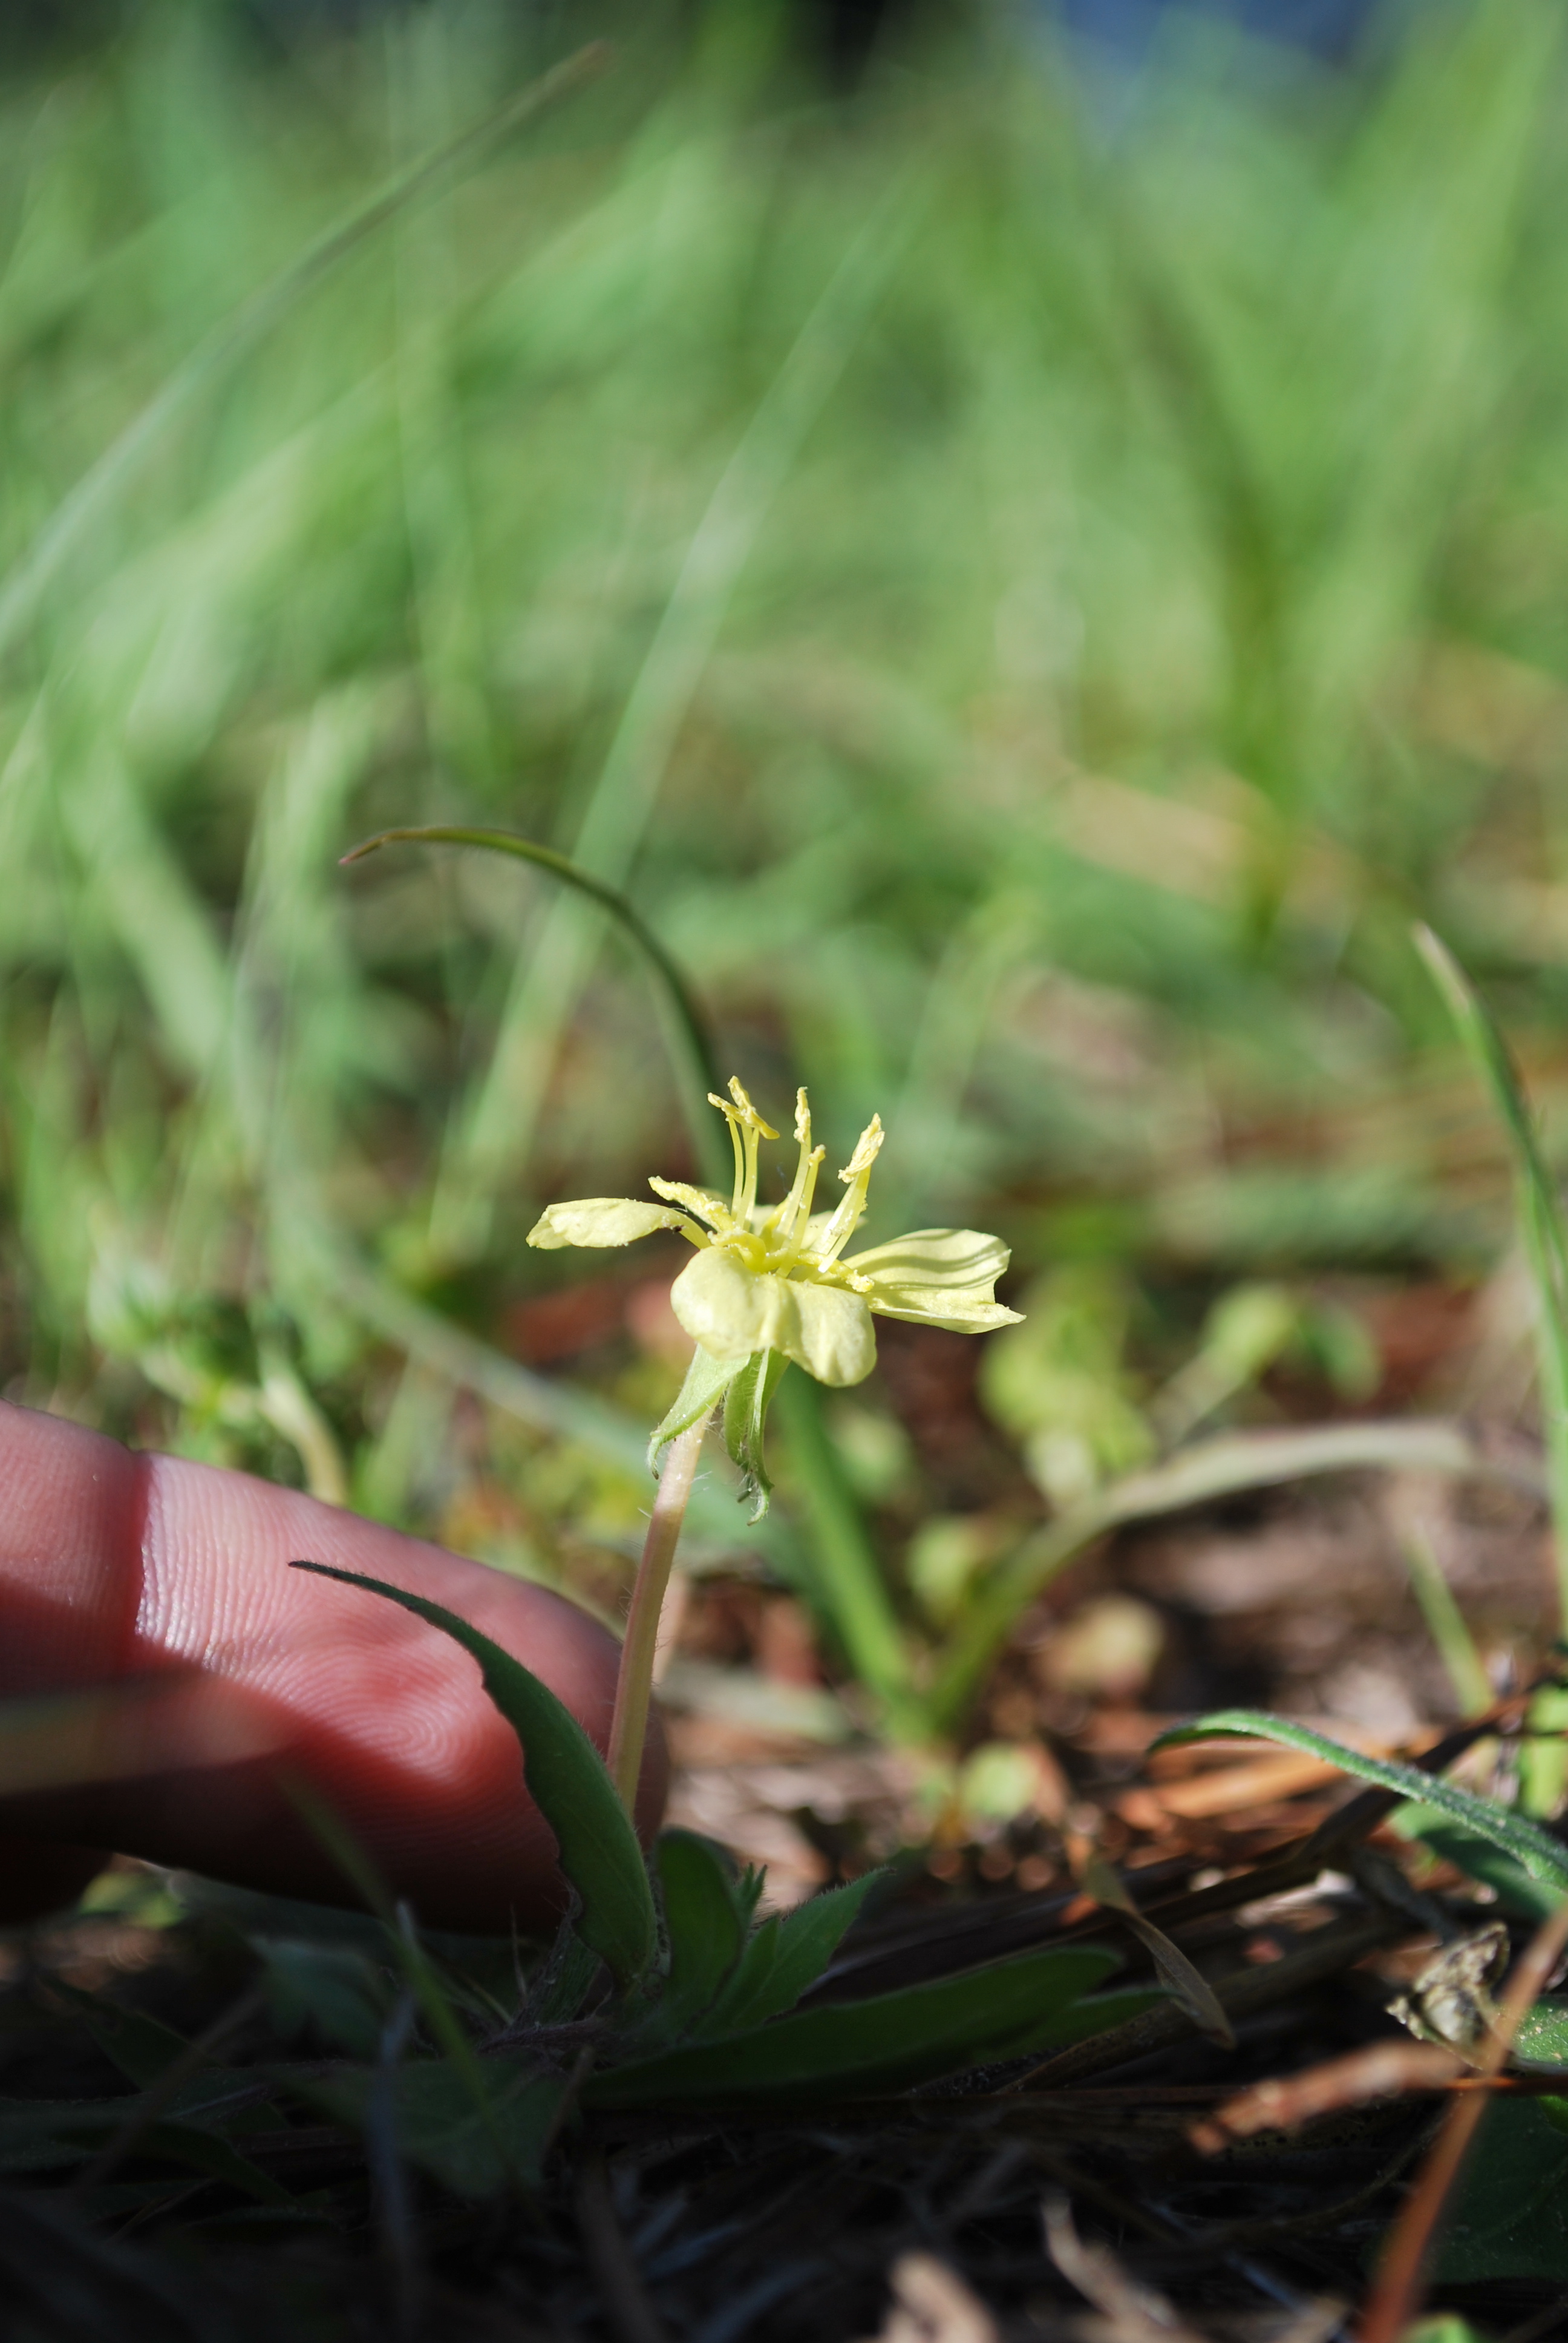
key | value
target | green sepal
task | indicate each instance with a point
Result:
(746, 1406)
(707, 1381)
(568, 1782)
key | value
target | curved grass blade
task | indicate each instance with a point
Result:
(1196, 1475)
(1535, 1852)
(1188, 1985)
(568, 1781)
(1540, 1219)
(699, 1073)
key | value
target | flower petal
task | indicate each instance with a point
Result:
(602, 1221)
(940, 1277)
(733, 1310)
(837, 1342)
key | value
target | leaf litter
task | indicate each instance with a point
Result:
(225, 2105)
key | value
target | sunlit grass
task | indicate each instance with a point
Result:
(1027, 611)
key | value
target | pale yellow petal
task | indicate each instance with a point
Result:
(938, 1277)
(836, 1340)
(602, 1221)
(723, 1305)
(732, 1312)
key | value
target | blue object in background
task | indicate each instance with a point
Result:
(1326, 28)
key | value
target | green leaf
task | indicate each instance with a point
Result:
(38, 2136)
(568, 1781)
(202, 2151)
(787, 1954)
(1542, 2041)
(706, 1919)
(707, 1381)
(438, 2128)
(1540, 1857)
(1479, 1859)
(744, 1420)
(557, 1991)
(1543, 1753)
(888, 2041)
(1509, 2219)
(329, 1986)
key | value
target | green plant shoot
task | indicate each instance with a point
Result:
(1544, 1762)
(1540, 1219)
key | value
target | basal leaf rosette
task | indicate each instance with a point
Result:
(774, 1284)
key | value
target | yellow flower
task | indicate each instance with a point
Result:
(778, 1279)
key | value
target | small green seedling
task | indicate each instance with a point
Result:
(703, 2001)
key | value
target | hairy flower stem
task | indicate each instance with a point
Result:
(634, 1685)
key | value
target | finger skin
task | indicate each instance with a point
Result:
(113, 1564)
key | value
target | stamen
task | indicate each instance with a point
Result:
(745, 1120)
(793, 1213)
(737, 1200)
(857, 1177)
(747, 1111)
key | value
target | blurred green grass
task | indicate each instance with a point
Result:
(1029, 613)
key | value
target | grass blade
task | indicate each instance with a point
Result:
(1543, 1857)
(1540, 1219)
(846, 1585)
(696, 1068)
(1446, 1626)
(22, 591)
(1213, 1468)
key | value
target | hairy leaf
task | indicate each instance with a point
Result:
(569, 1783)
(1541, 1858)
(1509, 2219)
(787, 1954)
(888, 2041)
